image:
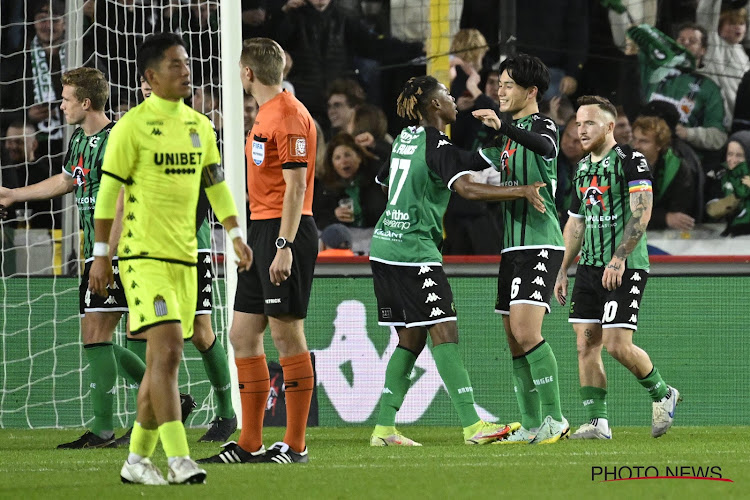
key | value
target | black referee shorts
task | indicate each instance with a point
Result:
(255, 292)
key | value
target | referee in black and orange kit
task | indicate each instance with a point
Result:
(280, 153)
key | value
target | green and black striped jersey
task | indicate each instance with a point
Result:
(524, 226)
(83, 161)
(602, 197)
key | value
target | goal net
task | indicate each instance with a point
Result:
(44, 379)
(44, 374)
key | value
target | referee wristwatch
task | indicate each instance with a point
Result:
(282, 242)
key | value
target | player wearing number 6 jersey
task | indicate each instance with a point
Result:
(608, 219)
(411, 288)
(532, 245)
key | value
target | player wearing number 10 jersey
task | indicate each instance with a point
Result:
(608, 219)
(411, 288)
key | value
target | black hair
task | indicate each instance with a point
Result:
(695, 27)
(152, 49)
(527, 71)
(413, 100)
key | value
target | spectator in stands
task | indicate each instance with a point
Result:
(336, 241)
(675, 190)
(31, 87)
(323, 40)
(20, 148)
(559, 108)
(369, 127)
(346, 192)
(250, 111)
(623, 131)
(671, 71)
(483, 15)
(344, 96)
(725, 60)
(286, 84)
(734, 203)
(571, 153)
(207, 100)
(741, 119)
(558, 34)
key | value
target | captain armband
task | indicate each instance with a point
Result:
(212, 174)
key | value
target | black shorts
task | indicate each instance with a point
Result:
(91, 302)
(592, 303)
(527, 277)
(255, 292)
(205, 284)
(412, 295)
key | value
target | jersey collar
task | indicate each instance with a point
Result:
(163, 105)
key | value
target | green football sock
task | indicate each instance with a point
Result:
(654, 384)
(217, 370)
(138, 347)
(594, 401)
(143, 441)
(543, 367)
(456, 380)
(131, 365)
(526, 394)
(397, 383)
(103, 375)
(173, 439)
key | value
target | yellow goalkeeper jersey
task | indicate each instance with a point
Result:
(158, 150)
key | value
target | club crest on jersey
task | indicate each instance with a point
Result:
(593, 194)
(195, 138)
(505, 157)
(259, 152)
(80, 173)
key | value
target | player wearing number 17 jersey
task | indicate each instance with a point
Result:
(411, 288)
(608, 219)
(532, 246)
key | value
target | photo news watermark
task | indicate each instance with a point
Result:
(609, 473)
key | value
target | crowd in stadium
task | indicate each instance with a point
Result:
(678, 70)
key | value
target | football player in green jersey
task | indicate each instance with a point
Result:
(608, 219)
(532, 246)
(411, 288)
(84, 94)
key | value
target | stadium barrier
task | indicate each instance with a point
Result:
(692, 324)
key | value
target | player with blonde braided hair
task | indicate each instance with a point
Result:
(411, 288)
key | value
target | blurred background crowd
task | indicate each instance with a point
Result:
(678, 71)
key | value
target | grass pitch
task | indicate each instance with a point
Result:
(342, 465)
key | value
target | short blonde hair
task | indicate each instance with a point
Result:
(469, 44)
(266, 58)
(733, 16)
(89, 83)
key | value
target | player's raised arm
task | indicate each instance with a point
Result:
(222, 203)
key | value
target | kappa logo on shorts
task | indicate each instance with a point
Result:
(208, 273)
(423, 270)
(539, 281)
(432, 297)
(636, 277)
(428, 283)
(207, 259)
(635, 290)
(634, 304)
(436, 311)
(386, 312)
(543, 254)
(206, 303)
(540, 266)
(633, 318)
(206, 289)
(160, 306)
(111, 300)
(537, 296)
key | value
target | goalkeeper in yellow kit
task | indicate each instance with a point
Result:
(162, 151)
